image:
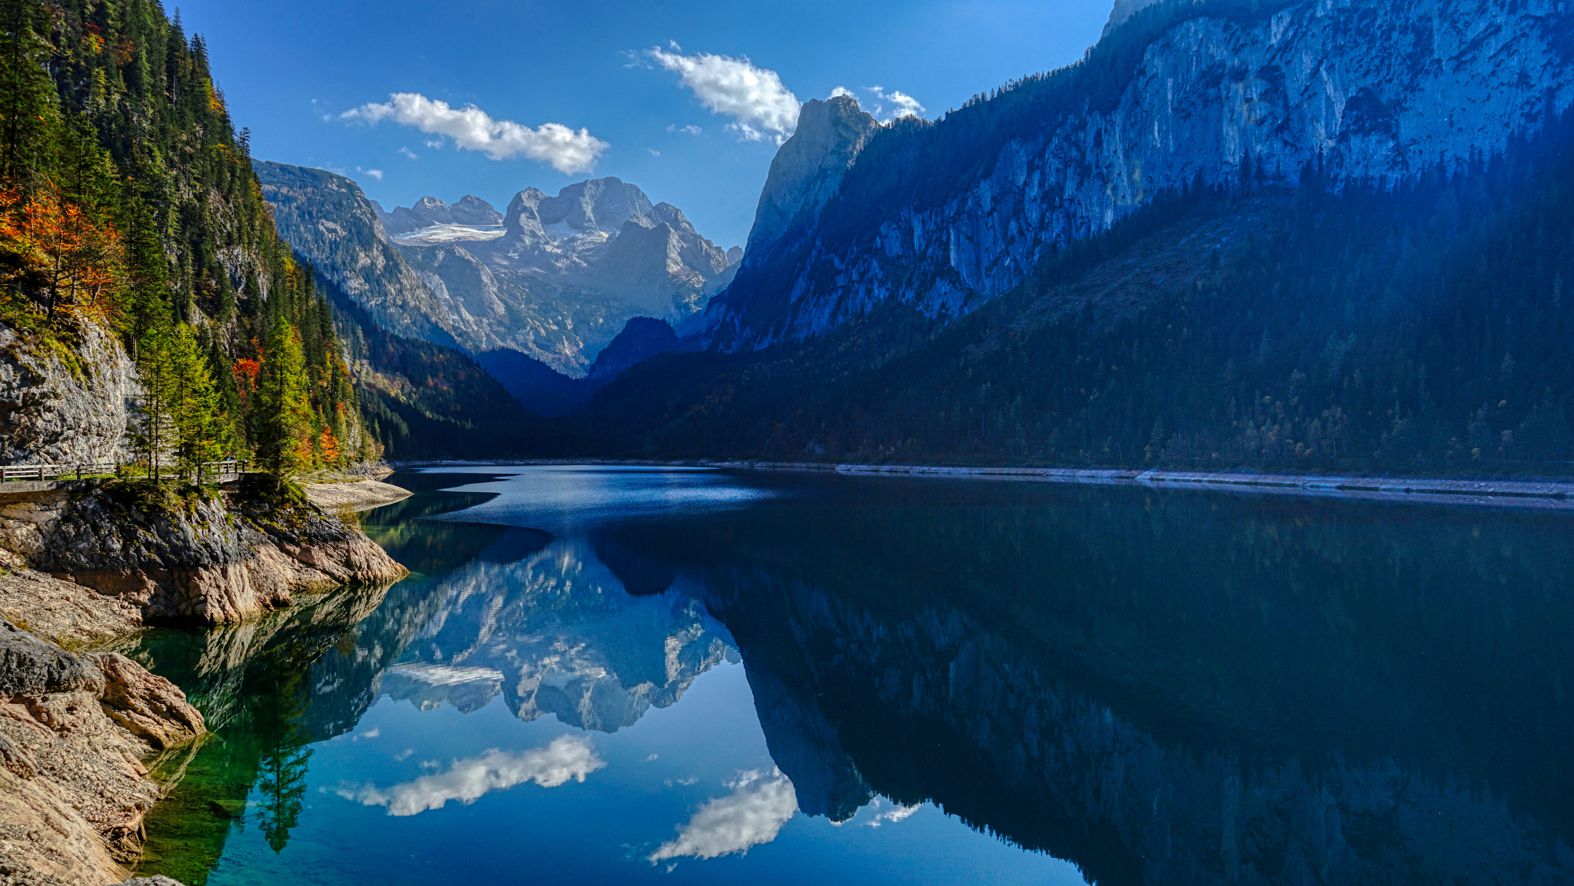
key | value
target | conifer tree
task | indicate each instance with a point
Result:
(26, 92)
(283, 409)
(193, 405)
(153, 433)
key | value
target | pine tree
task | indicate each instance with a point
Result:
(284, 414)
(27, 95)
(193, 405)
(154, 433)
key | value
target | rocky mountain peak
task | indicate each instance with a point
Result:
(524, 215)
(601, 205)
(1125, 9)
(554, 278)
(472, 210)
(810, 166)
(1377, 91)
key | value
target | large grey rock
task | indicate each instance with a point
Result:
(809, 168)
(53, 412)
(74, 730)
(29, 667)
(1125, 9)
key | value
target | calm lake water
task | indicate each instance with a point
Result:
(601, 675)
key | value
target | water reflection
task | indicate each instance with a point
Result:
(1162, 687)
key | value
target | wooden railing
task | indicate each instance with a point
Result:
(226, 471)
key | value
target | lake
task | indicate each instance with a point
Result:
(695, 676)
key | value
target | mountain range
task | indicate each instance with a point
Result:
(1236, 233)
(554, 278)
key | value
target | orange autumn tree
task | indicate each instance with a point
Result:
(57, 254)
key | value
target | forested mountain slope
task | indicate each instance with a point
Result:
(148, 308)
(1415, 328)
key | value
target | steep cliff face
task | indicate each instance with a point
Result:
(946, 216)
(66, 407)
(1125, 9)
(809, 168)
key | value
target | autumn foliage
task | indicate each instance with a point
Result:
(57, 255)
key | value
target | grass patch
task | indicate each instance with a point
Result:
(158, 497)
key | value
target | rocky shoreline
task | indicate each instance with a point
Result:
(354, 497)
(83, 565)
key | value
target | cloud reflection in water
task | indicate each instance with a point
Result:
(570, 758)
(752, 815)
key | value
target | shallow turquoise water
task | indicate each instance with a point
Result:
(602, 675)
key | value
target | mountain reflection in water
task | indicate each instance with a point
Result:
(1152, 686)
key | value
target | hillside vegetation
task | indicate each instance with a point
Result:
(128, 201)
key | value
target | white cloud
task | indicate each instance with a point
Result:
(690, 129)
(900, 813)
(375, 174)
(569, 758)
(752, 815)
(654, 152)
(841, 91)
(893, 104)
(760, 105)
(407, 154)
(567, 150)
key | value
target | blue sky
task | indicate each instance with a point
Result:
(652, 91)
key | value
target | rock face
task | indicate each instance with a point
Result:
(59, 413)
(189, 556)
(74, 731)
(64, 613)
(554, 278)
(809, 168)
(944, 217)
